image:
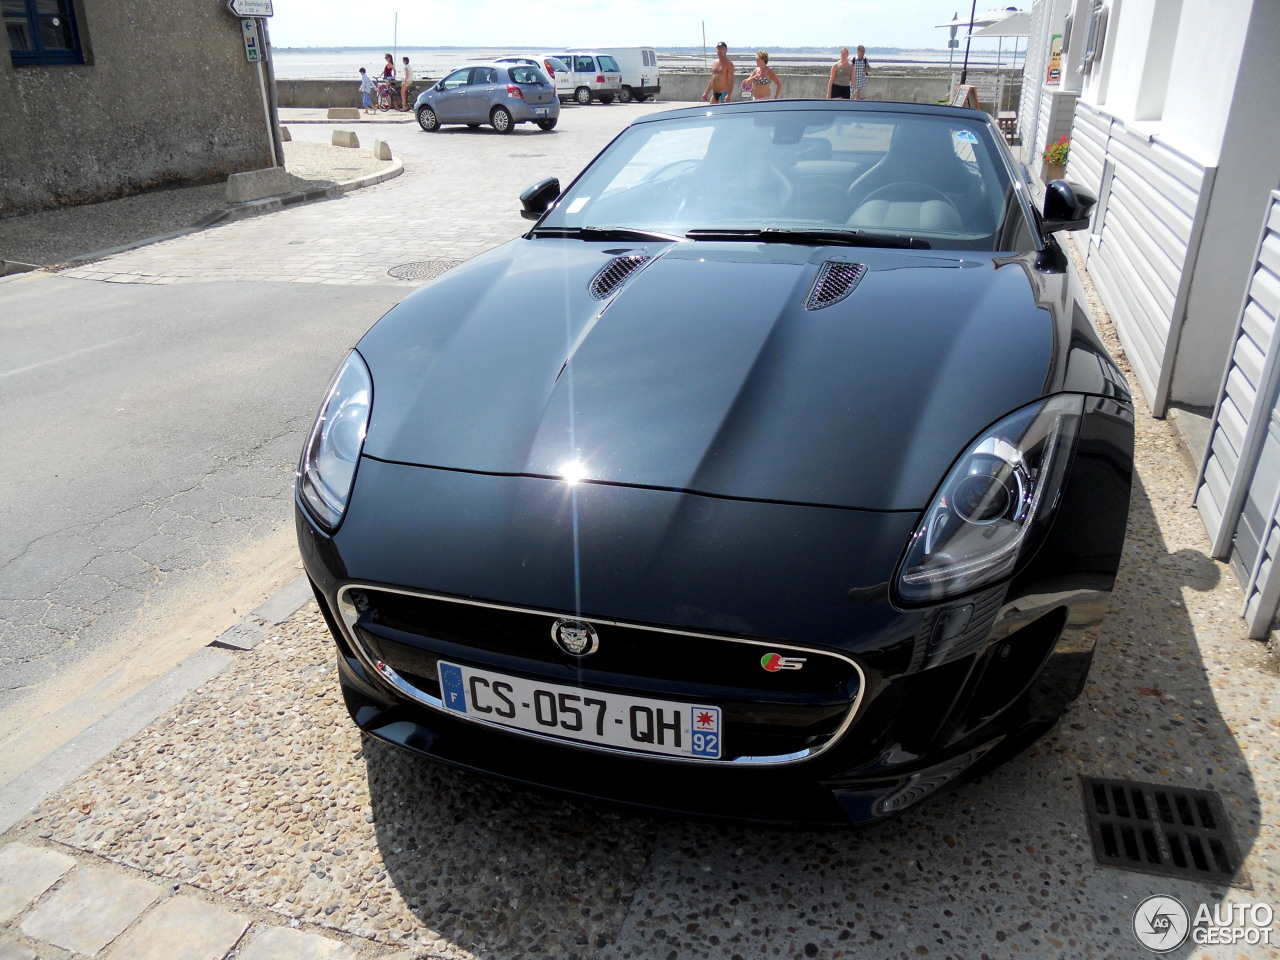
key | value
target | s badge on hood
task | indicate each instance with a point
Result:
(575, 637)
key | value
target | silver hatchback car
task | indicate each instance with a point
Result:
(499, 94)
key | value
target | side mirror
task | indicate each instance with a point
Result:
(1066, 206)
(537, 198)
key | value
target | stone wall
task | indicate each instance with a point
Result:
(676, 87)
(166, 97)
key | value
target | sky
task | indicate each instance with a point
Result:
(660, 23)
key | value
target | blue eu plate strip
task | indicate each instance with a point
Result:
(454, 690)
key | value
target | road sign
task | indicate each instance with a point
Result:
(250, 8)
(252, 43)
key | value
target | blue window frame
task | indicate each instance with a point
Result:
(41, 31)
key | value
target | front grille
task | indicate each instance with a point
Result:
(768, 716)
(835, 281)
(614, 273)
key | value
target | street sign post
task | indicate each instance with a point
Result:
(252, 43)
(250, 8)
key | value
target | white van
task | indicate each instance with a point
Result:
(639, 66)
(592, 76)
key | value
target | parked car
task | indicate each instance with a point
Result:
(592, 76)
(638, 68)
(554, 67)
(500, 94)
(773, 474)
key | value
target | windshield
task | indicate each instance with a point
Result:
(939, 179)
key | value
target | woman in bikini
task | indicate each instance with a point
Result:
(763, 82)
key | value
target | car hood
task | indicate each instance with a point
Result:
(704, 371)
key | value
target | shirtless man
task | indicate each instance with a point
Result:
(721, 83)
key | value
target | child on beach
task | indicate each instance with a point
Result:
(366, 88)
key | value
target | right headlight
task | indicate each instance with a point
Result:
(995, 505)
(328, 467)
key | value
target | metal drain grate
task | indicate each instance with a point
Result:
(422, 269)
(1168, 831)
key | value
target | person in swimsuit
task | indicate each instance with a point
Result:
(721, 83)
(764, 82)
(841, 78)
(406, 81)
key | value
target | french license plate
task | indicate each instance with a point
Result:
(640, 724)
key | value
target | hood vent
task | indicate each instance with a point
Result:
(615, 274)
(834, 282)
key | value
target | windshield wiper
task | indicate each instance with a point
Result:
(604, 233)
(833, 236)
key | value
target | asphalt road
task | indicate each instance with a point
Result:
(151, 434)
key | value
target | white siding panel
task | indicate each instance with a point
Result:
(1233, 426)
(1249, 360)
(1141, 236)
(1238, 490)
(1217, 481)
(1256, 324)
(1265, 291)
(1089, 136)
(1144, 350)
(1153, 271)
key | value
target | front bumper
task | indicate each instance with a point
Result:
(934, 696)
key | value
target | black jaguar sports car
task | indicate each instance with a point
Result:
(774, 474)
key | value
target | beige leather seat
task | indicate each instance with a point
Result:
(907, 207)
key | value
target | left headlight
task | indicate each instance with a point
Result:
(328, 467)
(995, 505)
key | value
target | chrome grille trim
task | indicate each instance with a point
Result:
(835, 281)
(347, 616)
(615, 273)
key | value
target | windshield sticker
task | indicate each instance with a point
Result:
(966, 135)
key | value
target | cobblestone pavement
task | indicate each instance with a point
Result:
(251, 821)
(430, 217)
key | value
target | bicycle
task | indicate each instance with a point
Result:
(385, 94)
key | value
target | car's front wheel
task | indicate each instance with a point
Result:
(625, 95)
(428, 120)
(547, 124)
(582, 95)
(500, 117)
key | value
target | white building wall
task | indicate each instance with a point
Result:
(1206, 75)
(1176, 129)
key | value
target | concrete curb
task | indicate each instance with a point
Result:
(238, 211)
(22, 795)
(253, 208)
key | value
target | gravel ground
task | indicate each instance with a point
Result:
(56, 237)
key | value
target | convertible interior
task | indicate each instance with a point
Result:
(920, 175)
